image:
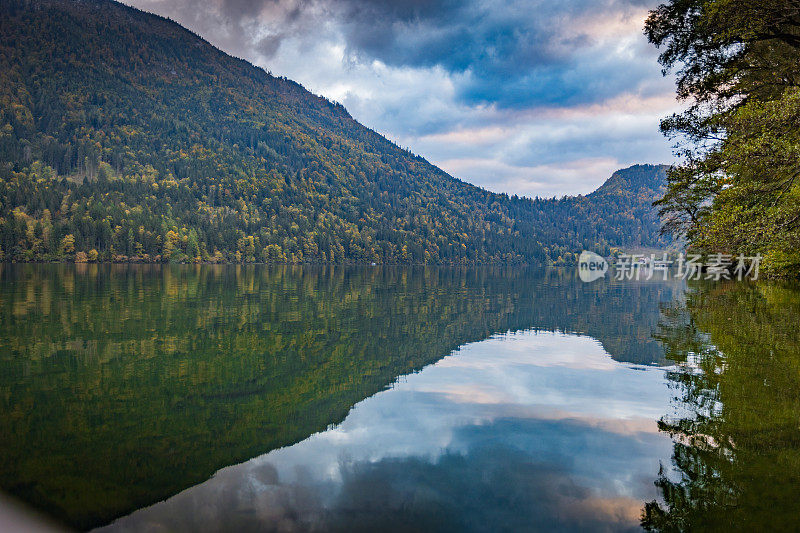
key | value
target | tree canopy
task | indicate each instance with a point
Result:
(738, 65)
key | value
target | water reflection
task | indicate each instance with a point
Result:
(737, 441)
(520, 432)
(123, 385)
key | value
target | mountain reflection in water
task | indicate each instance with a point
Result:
(124, 385)
(522, 431)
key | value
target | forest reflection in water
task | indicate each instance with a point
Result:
(737, 381)
(124, 385)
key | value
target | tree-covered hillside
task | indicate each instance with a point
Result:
(124, 136)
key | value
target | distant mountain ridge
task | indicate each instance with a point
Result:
(124, 136)
(634, 180)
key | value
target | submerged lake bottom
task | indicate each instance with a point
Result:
(141, 398)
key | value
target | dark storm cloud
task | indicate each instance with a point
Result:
(238, 9)
(516, 53)
(233, 25)
(269, 45)
(458, 35)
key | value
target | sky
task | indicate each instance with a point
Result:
(535, 98)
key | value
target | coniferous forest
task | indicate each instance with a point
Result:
(125, 137)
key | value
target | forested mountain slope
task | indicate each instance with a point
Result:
(124, 136)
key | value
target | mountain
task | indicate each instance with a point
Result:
(124, 136)
(625, 204)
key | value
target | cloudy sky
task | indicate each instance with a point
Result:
(536, 97)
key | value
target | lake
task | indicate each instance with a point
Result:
(214, 398)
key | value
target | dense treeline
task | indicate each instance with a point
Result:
(738, 65)
(126, 137)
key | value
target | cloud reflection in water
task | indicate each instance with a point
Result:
(526, 431)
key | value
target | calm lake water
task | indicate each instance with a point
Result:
(146, 398)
